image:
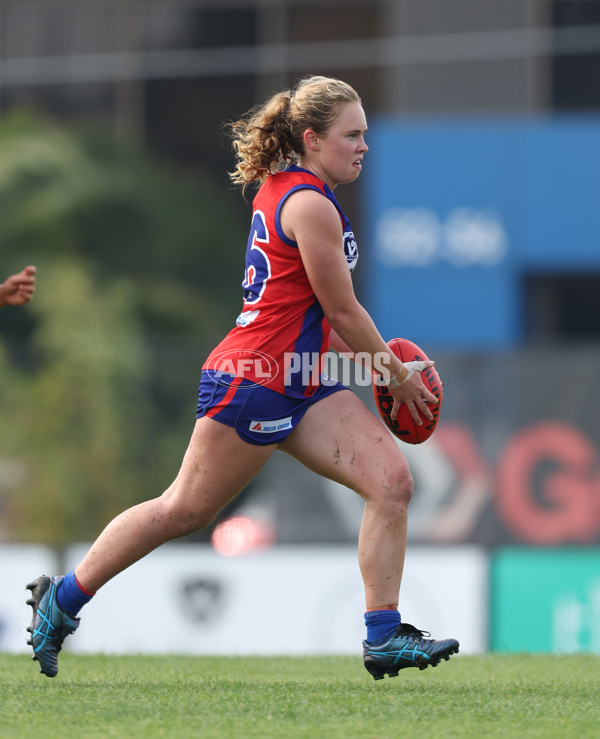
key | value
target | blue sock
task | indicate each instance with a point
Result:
(381, 625)
(70, 596)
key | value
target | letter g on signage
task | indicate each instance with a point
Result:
(548, 485)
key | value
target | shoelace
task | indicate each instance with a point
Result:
(411, 631)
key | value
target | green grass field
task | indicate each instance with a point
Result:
(495, 695)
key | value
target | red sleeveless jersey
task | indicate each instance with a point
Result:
(281, 333)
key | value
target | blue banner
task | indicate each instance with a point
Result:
(460, 213)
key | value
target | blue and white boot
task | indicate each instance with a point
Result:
(50, 624)
(407, 648)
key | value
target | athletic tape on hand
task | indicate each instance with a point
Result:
(413, 366)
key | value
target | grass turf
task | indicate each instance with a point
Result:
(290, 697)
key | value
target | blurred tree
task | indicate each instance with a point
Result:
(81, 192)
(138, 274)
(74, 426)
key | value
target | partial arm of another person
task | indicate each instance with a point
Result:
(314, 223)
(18, 288)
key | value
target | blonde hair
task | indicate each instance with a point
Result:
(270, 136)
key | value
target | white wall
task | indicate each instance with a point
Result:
(187, 599)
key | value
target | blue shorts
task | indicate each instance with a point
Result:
(259, 415)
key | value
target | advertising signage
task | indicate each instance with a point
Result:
(460, 213)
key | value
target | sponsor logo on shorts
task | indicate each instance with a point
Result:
(270, 427)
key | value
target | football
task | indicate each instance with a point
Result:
(404, 428)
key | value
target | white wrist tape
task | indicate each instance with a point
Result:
(414, 366)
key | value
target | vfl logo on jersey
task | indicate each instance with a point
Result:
(270, 427)
(350, 250)
(258, 266)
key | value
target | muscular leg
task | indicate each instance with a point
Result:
(216, 467)
(341, 439)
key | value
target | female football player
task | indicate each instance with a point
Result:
(261, 388)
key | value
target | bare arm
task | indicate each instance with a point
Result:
(338, 344)
(314, 223)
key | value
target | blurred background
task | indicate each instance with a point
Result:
(478, 223)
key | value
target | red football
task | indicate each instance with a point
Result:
(404, 427)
